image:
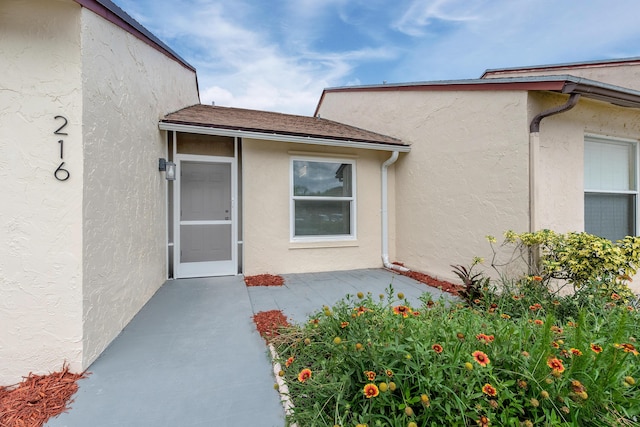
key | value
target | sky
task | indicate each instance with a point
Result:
(278, 55)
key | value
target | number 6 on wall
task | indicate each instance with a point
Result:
(61, 173)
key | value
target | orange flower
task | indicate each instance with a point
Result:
(485, 338)
(536, 279)
(489, 390)
(535, 307)
(628, 348)
(615, 296)
(389, 373)
(575, 352)
(538, 322)
(556, 329)
(361, 310)
(416, 313)
(437, 348)
(304, 375)
(289, 361)
(344, 324)
(371, 390)
(483, 421)
(402, 309)
(481, 358)
(371, 376)
(596, 348)
(555, 364)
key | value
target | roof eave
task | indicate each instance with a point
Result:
(566, 84)
(282, 137)
(605, 93)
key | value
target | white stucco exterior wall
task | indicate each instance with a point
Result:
(41, 255)
(266, 213)
(466, 175)
(128, 87)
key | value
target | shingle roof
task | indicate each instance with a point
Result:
(265, 122)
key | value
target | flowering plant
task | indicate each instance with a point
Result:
(494, 363)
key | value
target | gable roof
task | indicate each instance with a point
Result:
(112, 13)
(214, 120)
(564, 84)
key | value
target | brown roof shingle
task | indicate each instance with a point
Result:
(240, 119)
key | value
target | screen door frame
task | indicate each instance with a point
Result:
(226, 267)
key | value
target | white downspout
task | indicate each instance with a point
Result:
(385, 215)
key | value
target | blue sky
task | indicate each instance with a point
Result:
(278, 55)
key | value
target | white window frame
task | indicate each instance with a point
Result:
(636, 166)
(352, 200)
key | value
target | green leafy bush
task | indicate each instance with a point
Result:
(381, 362)
(514, 353)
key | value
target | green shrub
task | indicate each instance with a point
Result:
(504, 362)
(516, 353)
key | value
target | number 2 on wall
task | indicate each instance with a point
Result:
(61, 173)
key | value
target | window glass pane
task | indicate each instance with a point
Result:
(609, 166)
(609, 215)
(322, 218)
(326, 179)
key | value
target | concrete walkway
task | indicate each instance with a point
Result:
(192, 355)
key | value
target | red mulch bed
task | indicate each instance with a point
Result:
(264, 280)
(430, 281)
(268, 323)
(37, 398)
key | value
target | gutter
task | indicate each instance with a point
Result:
(534, 154)
(385, 214)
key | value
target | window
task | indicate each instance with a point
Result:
(322, 199)
(611, 191)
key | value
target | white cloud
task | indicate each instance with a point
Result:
(264, 55)
(421, 14)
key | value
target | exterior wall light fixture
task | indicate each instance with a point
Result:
(169, 168)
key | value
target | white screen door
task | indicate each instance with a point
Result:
(205, 232)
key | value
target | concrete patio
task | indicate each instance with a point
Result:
(192, 355)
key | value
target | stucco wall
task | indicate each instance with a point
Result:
(465, 177)
(128, 88)
(41, 217)
(267, 246)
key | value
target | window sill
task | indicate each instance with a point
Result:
(324, 244)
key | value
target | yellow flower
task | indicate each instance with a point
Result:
(468, 366)
(337, 340)
(424, 399)
(383, 387)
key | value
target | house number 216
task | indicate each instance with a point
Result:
(61, 173)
